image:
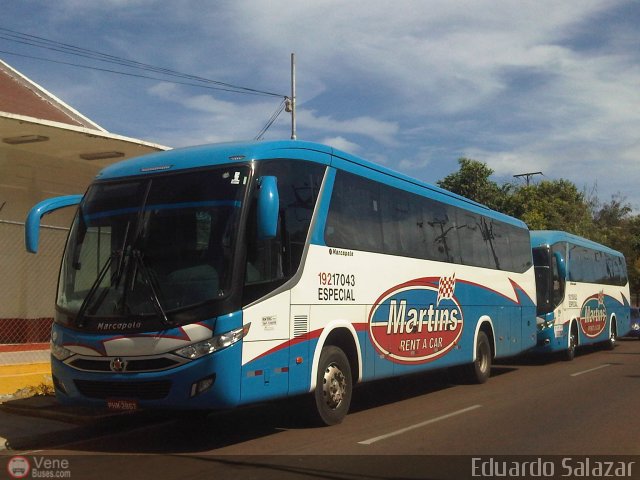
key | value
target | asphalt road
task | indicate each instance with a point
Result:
(587, 407)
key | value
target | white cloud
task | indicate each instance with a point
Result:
(210, 119)
(452, 52)
(342, 143)
(409, 165)
(381, 131)
(521, 85)
(243, 119)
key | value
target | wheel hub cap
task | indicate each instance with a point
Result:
(334, 386)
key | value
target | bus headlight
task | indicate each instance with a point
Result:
(213, 344)
(59, 352)
(542, 324)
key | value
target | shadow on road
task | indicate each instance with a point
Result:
(171, 432)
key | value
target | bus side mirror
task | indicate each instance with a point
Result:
(268, 207)
(32, 224)
(562, 267)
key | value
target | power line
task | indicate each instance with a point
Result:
(137, 75)
(188, 79)
(272, 119)
(68, 49)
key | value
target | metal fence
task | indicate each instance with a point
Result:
(27, 291)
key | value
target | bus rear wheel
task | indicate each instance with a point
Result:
(480, 370)
(334, 386)
(613, 336)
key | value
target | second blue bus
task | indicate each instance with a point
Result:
(583, 292)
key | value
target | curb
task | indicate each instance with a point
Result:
(43, 406)
(18, 376)
(45, 440)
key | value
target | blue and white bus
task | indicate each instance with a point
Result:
(582, 292)
(215, 276)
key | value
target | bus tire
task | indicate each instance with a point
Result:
(334, 386)
(613, 336)
(570, 353)
(480, 370)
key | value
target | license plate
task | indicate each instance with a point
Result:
(122, 405)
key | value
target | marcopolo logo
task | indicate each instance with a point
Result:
(417, 321)
(593, 315)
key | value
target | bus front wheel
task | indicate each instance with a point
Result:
(570, 352)
(334, 386)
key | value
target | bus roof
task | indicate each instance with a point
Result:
(224, 153)
(541, 238)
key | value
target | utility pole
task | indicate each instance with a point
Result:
(291, 102)
(528, 176)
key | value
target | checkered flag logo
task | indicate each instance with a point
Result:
(446, 288)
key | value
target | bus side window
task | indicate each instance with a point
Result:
(264, 257)
(354, 219)
(272, 262)
(441, 219)
(475, 240)
(402, 225)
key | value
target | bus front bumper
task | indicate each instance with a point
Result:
(552, 339)
(209, 382)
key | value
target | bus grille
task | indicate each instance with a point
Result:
(134, 390)
(133, 365)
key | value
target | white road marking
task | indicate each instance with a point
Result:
(591, 370)
(418, 425)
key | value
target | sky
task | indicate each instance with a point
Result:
(523, 86)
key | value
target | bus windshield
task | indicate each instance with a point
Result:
(152, 245)
(542, 263)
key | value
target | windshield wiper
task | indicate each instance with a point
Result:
(94, 289)
(139, 265)
(150, 281)
(117, 275)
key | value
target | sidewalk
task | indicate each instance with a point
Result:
(28, 353)
(15, 377)
(20, 369)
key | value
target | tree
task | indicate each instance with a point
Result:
(555, 205)
(472, 181)
(551, 205)
(611, 220)
(618, 229)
